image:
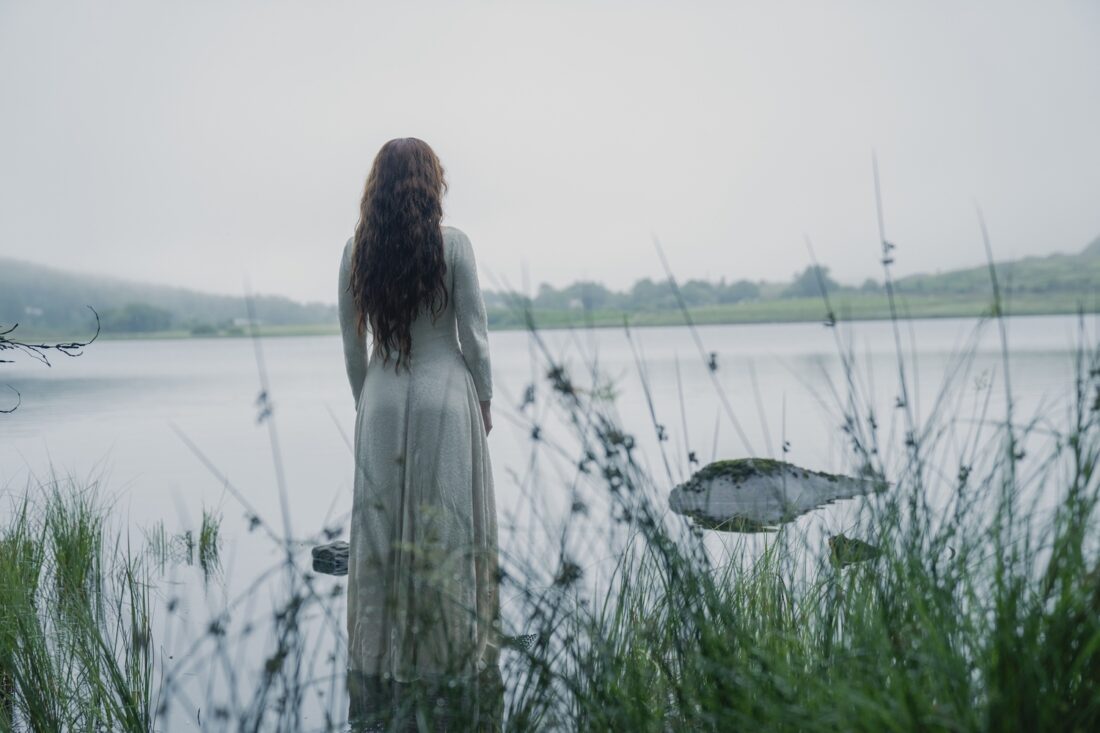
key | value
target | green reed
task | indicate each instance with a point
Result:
(209, 542)
(981, 612)
(74, 639)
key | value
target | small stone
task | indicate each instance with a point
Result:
(331, 559)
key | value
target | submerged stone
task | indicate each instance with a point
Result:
(759, 494)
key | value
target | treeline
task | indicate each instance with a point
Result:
(45, 300)
(648, 294)
(1056, 274)
(145, 318)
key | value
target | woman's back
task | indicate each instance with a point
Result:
(459, 329)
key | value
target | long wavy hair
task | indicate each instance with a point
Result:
(398, 266)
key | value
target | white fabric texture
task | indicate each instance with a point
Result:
(422, 568)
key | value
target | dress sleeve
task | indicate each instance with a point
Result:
(355, 347)
(469, 308)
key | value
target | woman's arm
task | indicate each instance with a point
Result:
(473, 327)
(355, 348)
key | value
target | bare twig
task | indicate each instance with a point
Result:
(40, 351)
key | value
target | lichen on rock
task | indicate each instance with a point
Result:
(759, 494)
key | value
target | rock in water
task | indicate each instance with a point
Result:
(845, 551)
(759, 494)
(331, 559)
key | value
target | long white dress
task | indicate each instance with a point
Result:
(422, 570)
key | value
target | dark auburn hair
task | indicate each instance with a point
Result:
(398, 265)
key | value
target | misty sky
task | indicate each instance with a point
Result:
(200, 143)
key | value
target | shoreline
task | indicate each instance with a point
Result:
(756, 313)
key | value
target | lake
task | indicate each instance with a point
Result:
(116, 414)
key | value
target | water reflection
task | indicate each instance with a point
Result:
(446, 704)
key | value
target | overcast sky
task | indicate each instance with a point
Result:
(200, 143)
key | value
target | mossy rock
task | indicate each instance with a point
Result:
(760, 494)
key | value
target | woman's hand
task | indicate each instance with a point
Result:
(486, 417)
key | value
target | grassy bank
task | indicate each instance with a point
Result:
(847, 307)
(316, 329)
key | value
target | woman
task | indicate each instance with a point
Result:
(422, 569)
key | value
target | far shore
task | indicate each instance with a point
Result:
(846, 308)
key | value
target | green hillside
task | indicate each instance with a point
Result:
(47, 301)
(1058, 273)
(1057, 283)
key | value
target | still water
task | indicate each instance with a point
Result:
(117, 413)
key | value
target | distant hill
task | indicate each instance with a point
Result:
(1093, 250)
(1058, 273)
(47, 300)
(51, 301)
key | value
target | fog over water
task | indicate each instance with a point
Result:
(203, 144)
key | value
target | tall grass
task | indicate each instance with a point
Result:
(75, 648)
(182, 547)
(980, 613)
(209, 551)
